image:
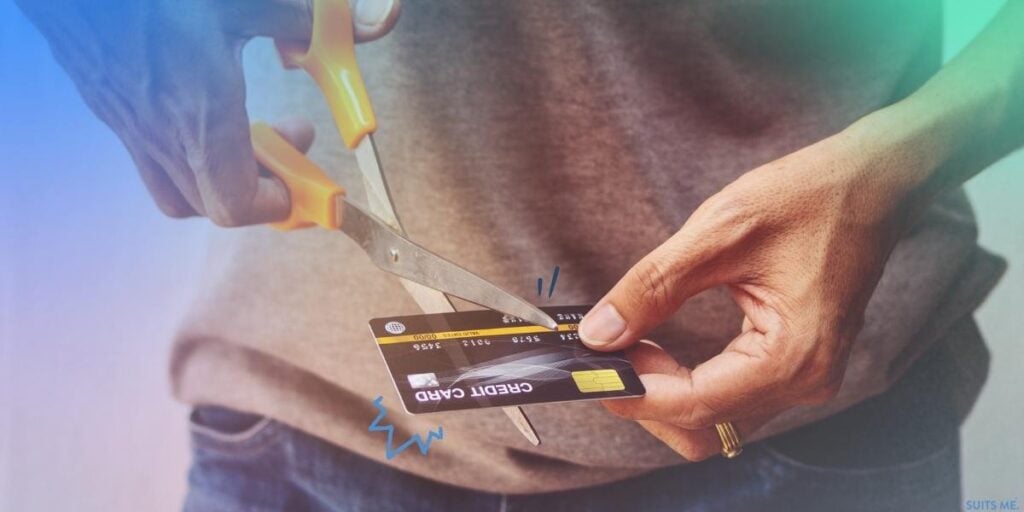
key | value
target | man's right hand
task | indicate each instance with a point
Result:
(166, 76)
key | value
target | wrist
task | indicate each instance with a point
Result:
(902, 151)
(935, 139)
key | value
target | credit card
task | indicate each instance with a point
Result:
(478, 359)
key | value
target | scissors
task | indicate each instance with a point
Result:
(317, 201)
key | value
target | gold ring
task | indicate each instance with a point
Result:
(731, 445)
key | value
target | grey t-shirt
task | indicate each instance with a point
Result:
(522, 135)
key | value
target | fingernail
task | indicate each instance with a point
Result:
(373, 13)
(602, 326)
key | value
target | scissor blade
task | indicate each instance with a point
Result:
(429, 299)
(522, 423)
(378, 196)
(400, 256)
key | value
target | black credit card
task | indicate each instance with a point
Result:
(477, 359)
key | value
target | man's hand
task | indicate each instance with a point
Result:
(800, 244)
(166, 76)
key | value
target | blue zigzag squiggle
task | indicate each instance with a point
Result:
(389, 449)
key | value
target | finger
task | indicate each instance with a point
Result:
(161, 188)
(648, 357)
(219, 152)
(747, 324)
(299, 132)
(698, 445)
(373, 19)
(180, 173)
(739, 382)
(292, 20)
(175, 193)
(649, 293)
(756, 314)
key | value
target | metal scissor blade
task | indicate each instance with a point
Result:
(398, 255)
(430, 300)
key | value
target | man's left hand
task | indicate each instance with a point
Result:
(800, 244)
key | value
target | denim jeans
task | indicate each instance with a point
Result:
(899, 451)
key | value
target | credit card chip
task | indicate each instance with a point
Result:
(596, 381)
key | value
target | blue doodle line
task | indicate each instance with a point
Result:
(554, 281)
(389, 450)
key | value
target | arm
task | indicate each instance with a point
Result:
(970, 114)
(801, 243)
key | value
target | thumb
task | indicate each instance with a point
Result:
(298, 131)
(648, 294)
(374, 18)
(272, 194)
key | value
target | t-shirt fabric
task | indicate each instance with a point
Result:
(518, 136)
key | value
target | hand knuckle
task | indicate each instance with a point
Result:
(694, 452)
(728, 208)
(226, 216)
(821, 383)
(620, 409)
(817, 373)
(175, 210)
(231, 208)
(653, 290)
(695, 418)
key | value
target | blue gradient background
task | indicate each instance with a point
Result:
(93, 278)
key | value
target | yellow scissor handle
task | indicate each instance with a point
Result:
(312, 193)
(331, 60)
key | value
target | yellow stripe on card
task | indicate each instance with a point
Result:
(473, 333)
(596, 381)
